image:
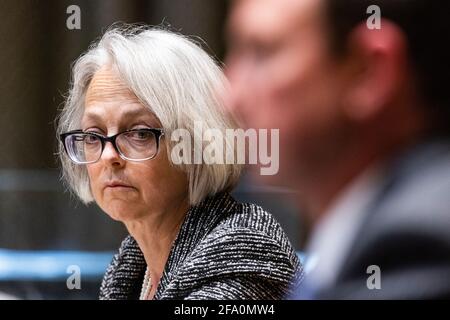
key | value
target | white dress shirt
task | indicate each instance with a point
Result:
(336, 231)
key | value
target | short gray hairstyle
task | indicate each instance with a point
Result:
(172, 76)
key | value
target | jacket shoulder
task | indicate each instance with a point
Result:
(248, 244)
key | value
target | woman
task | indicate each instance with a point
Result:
(189, 239)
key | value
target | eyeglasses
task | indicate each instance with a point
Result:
(135, 145)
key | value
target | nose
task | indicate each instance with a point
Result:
(111, 156)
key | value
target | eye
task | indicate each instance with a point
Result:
(140, 135)
(91, 139)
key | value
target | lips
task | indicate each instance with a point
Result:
(118, 185)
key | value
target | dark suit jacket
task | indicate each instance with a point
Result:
(406, 232)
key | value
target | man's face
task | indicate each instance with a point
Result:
(284, 76)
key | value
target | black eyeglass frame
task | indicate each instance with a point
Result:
(158, 132)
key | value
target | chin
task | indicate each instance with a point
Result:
(122, 215)
(119, 210)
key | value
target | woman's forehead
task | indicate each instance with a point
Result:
(107, 86)
(108, 98)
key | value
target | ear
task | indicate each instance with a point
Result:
(377, 61)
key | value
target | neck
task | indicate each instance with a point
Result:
(323, 189)
(155, 233)
(320, 194)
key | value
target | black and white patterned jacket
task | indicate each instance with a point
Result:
(224, 250)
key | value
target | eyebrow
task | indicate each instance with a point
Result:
(126, 114)
(92, 116)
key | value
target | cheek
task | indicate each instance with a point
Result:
(159, 182)
(303, 105)
(94, 179)
(278, 90)
(302, 96)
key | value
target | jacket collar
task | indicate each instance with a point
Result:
(128, 273)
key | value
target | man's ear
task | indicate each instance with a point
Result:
(377, 71)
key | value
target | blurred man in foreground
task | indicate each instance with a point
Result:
(364, 116)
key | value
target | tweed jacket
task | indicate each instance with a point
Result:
(224, 250)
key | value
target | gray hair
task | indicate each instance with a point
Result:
(172, 76)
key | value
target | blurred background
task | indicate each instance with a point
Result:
(43, 229)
